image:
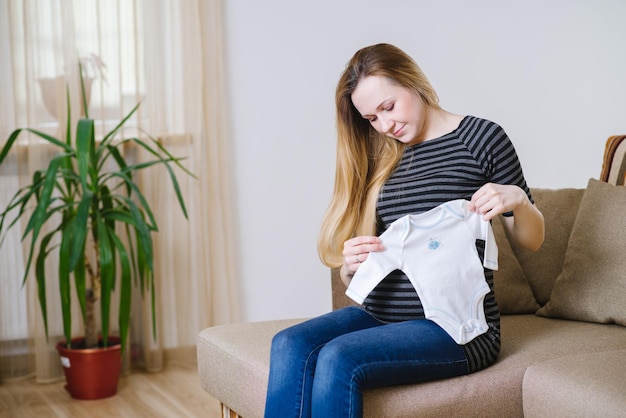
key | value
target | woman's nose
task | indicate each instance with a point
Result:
(386, 125)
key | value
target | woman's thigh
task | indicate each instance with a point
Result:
(399, 353)
(404, 352)
(316, 332)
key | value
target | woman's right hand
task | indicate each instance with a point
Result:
(355, 251)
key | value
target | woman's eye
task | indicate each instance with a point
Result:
(389, 108)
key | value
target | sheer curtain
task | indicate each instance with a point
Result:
(168, 55)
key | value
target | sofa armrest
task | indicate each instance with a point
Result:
(614, 163)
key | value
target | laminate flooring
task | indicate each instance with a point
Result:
(171, 393)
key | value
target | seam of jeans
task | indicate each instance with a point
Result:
(306, 362)
(410, 362)
(361, 367)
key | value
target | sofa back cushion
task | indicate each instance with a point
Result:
(592, 284)
(338, 290)
(559, 208)
(513, 292)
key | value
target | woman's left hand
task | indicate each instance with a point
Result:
(493, 199)
(526, 225)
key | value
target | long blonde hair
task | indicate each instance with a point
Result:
(365, 158)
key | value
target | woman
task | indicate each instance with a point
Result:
(398, 153)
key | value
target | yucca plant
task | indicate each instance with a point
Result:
(102, 222)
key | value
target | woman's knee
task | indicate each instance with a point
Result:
(338, 360)
(290, 340)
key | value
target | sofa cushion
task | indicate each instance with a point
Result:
(559, 208)
(591, 285)
(586, 385)
(233, 364)
(526, 339)
(511, 287)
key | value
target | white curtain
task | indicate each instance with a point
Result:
(168, 55)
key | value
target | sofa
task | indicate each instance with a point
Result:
(563, 324)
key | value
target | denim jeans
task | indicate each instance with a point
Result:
(321, 367)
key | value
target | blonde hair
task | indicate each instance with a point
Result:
(365, 158)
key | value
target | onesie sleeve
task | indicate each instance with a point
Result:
(491, 248)
(482, 229)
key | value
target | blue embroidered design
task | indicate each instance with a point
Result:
(434, 244)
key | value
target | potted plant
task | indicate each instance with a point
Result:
(102, 225)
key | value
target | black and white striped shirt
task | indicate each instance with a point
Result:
(433, 172)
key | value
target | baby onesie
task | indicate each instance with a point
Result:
(437, 252)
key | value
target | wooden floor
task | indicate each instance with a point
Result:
(172, 393)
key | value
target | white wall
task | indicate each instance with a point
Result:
(552, 73)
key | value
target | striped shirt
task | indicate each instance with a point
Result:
(433, 172)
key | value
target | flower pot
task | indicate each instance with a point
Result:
(53, 92)
(91, 373)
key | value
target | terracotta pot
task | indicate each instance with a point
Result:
(91, 373)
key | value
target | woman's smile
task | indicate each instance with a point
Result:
(399, 131)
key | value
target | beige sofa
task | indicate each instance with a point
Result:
(563, 324)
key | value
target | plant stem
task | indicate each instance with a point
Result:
(91, 297)
(95, 279)
(91, 334)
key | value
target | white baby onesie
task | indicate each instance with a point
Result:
(437, 252)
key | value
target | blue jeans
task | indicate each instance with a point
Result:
(321, 367)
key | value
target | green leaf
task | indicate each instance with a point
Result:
(107, 205)
(179, 196)
(84, 142)
(117, 156)
(119, 216)
(109, 136)
(140, 166)
(14, 135)
(165, 161)
(68, 124)
(40, 276)
(35, 221)
(144, 239)
(20, 199)
(163, 150)
(9, 144)
(67, 234)
(80, 281)
(142, 266)
(82, 90)
(107, 274)
(66, 148)
(40, 214)
(81, 230)
(142, 200)
(125, 290)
